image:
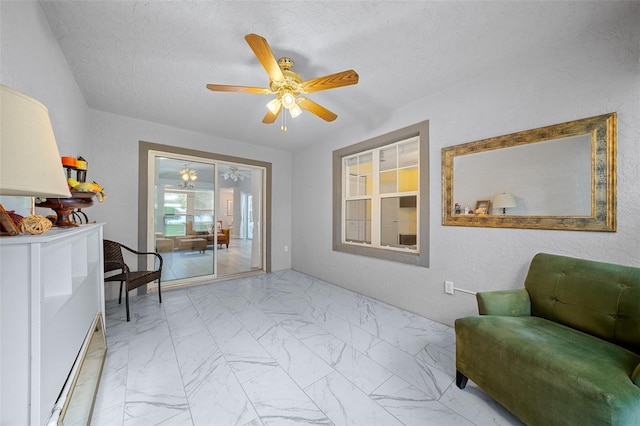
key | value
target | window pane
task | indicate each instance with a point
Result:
(398, 222)
(351, 176)
(388, 181)
(365, 171)
(408, 154)
(408, 179)
(358, 175)
(388, 158)
(358, 221)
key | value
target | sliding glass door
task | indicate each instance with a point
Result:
(184, 216)
(206, 217)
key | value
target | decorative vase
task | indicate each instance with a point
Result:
(64, 207)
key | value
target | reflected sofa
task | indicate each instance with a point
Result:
(563, 350)
(222, 237)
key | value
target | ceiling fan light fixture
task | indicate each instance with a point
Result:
(288, 100)
(295, 111)
(273, 105)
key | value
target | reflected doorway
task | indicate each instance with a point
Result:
(200, 210)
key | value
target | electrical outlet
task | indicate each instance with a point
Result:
(448, 287)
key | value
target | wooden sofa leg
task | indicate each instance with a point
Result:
(461, 380)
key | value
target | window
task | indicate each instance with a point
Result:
(381, 197)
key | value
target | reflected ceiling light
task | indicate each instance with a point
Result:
(188, 175)
(233, 174)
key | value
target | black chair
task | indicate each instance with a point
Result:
(114, 260)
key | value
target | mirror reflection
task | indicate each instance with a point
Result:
(555, 177)
(549, 178)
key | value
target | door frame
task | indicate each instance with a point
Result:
(143, 191)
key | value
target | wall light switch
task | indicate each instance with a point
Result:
(286, 249)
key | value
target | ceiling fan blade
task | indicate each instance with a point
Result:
(264, 54)
(344, 78)
(245, 89)
(270, 117)
(316, 109)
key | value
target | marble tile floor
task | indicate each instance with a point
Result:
(281, 349)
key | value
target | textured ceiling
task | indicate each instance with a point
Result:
(152, 60)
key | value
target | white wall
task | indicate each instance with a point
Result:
(599, 76)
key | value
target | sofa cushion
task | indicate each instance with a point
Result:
(598, 298)
(636, 376)
(534, 366)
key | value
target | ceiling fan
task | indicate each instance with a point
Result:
(287, 85)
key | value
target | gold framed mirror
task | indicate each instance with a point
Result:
(560, 177)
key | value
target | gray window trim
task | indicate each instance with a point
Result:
(419, 259)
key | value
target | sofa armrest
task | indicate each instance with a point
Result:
(512, 303)
(635, 377)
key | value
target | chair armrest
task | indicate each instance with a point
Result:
(635, 377)
(511, 303)
(148, 253)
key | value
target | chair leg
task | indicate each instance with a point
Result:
(120, 297)
(126, 297)
(461, 380)
(159, 290)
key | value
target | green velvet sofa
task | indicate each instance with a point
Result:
(565, 350)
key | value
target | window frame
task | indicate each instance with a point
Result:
(420, 130)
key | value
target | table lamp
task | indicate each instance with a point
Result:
(30, 163)
(504, 201)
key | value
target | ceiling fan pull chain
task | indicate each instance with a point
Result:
(284, 123)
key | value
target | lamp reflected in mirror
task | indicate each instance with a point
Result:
(504, 201)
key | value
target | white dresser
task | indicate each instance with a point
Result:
(51, 288)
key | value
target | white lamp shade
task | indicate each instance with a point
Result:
(288, 100)
(30, 163)
(295, 111)
(274, 105)
(504, 200)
